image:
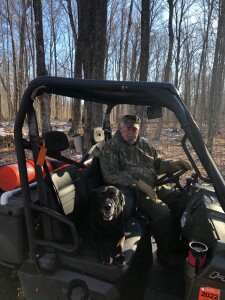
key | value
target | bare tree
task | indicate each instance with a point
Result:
(145, 37)
(171, 42)
(217, 81)
(127, 41)
(1, 116)
(22, 34)
(111, 28)
(92, 20)
(202, 65)
(53, 56)
(144, 56)
(135, 64)
(169, 60)
(5, 73)
(14, 56)
(76, 103)
(40, 62)
(121, 41)
(188, 67)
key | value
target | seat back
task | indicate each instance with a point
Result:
(67, 194)
(55, 143)
(93, 175)
(68, 188)
(69, 191)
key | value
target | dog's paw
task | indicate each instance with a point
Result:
(107, 260)
(119, 260)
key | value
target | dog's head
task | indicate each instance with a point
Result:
(109, 202)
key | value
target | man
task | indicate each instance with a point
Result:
(127, 160)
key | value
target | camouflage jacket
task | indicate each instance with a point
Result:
(122, 163)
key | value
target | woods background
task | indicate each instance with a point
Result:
(179, 41)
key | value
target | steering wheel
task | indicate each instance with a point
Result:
(170, 178)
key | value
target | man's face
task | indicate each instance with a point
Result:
(129, 134)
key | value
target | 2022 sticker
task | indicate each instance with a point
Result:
(207, 293)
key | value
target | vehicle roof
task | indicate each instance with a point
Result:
(108, 92)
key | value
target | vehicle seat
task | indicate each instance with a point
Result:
(55, 142)
(63, 186)
(93, 175)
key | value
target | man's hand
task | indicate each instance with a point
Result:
(147, 189)
(177, 165)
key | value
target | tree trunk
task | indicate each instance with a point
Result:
(40, 62)
(134, 63)
(53, 60)
(171, 42)
(92, 19)
(1, 116)
(119, 65)
(127, 41)
(168, 61)
(203, 59)
(217, 81)
(21, 70)
(145, 34)
(76, 104)
(144, 57)
(15, 81)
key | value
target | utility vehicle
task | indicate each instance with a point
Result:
(42, 226)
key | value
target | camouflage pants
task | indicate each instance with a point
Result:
(164, 216)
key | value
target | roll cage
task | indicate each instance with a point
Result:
(112, 93)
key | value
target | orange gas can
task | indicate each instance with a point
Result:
(10, 178)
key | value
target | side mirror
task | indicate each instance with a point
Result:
(154, 112)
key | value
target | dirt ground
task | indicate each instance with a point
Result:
(169, 147)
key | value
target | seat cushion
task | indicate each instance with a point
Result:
(87, 260)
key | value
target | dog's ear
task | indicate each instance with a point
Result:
(121, 198)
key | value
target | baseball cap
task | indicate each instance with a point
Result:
(131, 121)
